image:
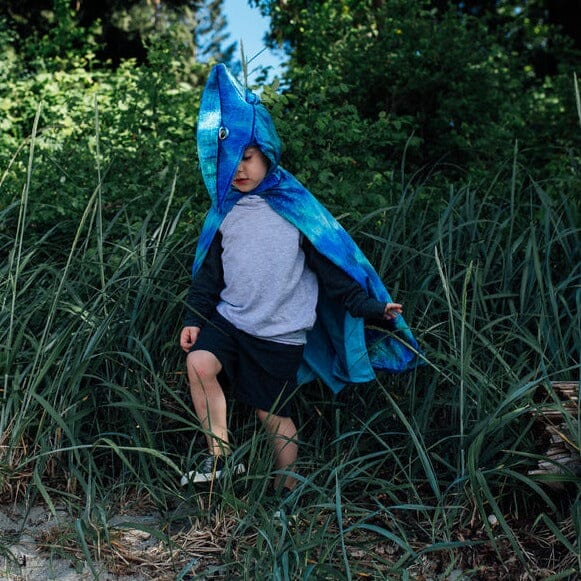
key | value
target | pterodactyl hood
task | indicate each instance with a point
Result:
(231, 119)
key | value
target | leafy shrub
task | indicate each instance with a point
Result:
(126, 132)
(462, 89)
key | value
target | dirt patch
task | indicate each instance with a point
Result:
(137, 544)
(38, 544)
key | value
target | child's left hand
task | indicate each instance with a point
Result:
(392, 310)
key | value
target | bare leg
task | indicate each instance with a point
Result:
(283, 433)
(208, 399)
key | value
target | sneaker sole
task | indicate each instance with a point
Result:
(197, 478)
(279, 514)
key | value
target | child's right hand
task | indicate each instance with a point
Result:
(188, 337)
(392, 310)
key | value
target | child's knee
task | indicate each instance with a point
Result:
(278, 425)
(202, 366)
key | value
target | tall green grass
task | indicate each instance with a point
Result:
(395, 474)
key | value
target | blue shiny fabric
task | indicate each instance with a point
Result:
(339, 349)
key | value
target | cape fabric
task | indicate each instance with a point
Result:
(339, 349)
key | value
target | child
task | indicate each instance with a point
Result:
(279, 291)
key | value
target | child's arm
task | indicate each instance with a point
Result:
(204, 294)
(340, 286)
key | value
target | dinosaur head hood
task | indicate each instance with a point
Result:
(231, 118)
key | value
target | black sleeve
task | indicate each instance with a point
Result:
(340, 286)
(206, 286)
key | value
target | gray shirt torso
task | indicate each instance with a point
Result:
(269, 291)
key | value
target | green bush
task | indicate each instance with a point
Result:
(365, 77)
(125, 132)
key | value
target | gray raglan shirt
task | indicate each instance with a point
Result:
(269, 291)
(263, 276)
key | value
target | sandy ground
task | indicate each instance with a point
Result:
(31, 546)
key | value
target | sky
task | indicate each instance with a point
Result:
(248, 25)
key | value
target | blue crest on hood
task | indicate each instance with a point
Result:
(231, 118)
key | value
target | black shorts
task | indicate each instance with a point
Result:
(260, 373)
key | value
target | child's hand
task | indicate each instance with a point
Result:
(188, 337)
(392, 310)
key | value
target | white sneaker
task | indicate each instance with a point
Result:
(212, 468)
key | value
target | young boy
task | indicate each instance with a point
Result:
(279, 290)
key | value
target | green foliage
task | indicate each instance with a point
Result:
(116, 30)
(464, 88)
(345, 160)
(112, 130)
(100, 206)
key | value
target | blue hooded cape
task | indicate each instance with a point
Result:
(339, 349)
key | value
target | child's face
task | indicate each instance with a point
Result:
(251, 170)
